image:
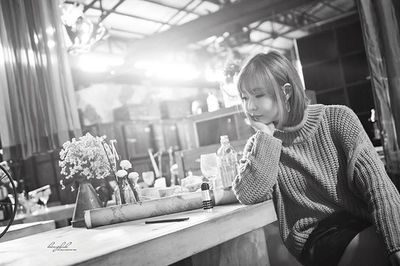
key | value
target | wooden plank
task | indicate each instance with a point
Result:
(22, 230)
(57, 213)
(61, 212)
(138, 243)
(247, 249)
(242, 13)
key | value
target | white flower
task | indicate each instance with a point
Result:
(87, 156)
(121, 173)
(134, 176)
(66, 144)
(125, 164)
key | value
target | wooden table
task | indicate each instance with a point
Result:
(137, 243)
(56, 213)
(20, 230)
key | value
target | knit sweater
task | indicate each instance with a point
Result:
(325, 164)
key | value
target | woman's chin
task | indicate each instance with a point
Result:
(266, 122)
(270, 122)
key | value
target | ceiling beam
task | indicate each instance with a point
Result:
(89, 6)
(114, 11)
(131, 16)
(242, 13)
(173, 7)
(268, 46)
(176, 14)
(350, 14)
(292, 19)
(270, 33)
(333, 7)
(108, 12)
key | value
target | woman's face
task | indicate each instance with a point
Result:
(260, 104)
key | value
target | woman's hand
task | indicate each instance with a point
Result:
(395, 259)
(268, 129)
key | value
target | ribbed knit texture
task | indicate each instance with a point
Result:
(325, 164)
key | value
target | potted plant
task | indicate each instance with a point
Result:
(82, 160)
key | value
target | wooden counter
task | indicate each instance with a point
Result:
(137, 243)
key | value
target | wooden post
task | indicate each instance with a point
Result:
(380, 27)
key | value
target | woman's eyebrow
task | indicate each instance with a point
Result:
(256, 90)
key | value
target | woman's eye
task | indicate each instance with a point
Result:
(260, 95)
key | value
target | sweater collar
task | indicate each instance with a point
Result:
(303, 130)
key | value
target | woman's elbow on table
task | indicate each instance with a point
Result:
(246, 200)
(249, 195)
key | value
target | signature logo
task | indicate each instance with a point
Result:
(64, 246)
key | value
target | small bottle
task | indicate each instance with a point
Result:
(226, 163)
(206, 197)
(212, 102)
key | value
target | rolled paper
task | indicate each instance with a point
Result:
(130, 212)
(172, 204)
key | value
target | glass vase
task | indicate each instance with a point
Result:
(125, 192)
(86, 199)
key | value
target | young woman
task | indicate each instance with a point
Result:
(334, 201)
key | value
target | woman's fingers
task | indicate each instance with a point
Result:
(271, 127)
(263, 127)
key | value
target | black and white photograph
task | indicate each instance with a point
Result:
(200, 132)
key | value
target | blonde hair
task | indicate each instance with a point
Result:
(273, 70)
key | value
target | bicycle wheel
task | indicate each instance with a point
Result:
(14, 193)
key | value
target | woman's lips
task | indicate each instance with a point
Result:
(255, 117)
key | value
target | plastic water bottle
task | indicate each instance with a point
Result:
(226, 162)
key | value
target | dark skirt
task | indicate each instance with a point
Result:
(328, 241)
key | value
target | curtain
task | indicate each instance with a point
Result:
(380, 24)
(37, 101)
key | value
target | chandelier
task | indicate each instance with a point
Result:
(80, 32)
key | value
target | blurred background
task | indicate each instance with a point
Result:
(159, 75)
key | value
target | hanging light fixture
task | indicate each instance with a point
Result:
(80, 32)
(228, 84)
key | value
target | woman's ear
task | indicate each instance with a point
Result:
(287, 90)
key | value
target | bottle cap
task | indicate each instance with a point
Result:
(205, 186)
(224, 138)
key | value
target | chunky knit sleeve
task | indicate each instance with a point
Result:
(258, 169)
(379, 192)
(369, 178)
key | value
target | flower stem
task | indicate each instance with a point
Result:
(119, 180)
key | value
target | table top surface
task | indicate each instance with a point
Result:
(21, 230)
(111, 244)
(59, 212)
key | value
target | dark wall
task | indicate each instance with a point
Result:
(335, 67)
